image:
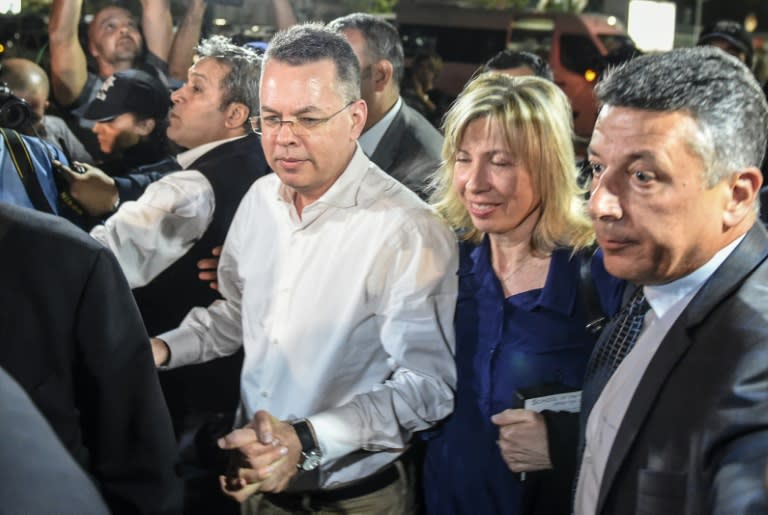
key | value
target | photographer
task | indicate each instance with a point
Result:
(26, 163)
(29, 82)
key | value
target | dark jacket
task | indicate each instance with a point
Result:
(32, 457)
(72, 337)
(694, 439)
(410, 150)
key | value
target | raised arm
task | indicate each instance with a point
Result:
(157, 25)
(284, 15)
(185, 40)
(68, 65)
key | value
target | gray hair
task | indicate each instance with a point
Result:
(381, 38)
(241, 83)
(313, 42)
(714, 88)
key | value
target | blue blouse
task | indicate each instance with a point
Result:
(503, 344)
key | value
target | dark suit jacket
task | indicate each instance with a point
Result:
(694, 439)
(410, 150)
(33, 461)
(72, 337)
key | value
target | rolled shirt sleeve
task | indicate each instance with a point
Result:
(150, 234)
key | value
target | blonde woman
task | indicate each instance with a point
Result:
(508, 187)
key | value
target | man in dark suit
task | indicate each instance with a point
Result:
(73, 339)
(681, 425)
(395, 136)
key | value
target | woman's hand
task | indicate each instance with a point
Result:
(523, 440)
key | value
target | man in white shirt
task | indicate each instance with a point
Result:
(395, 136)
(681, 425)
(340, 284)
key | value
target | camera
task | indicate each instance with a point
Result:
(15, 113)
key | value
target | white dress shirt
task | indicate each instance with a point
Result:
(667, 302)
(149, 235)
(345, 314)
(371, 138)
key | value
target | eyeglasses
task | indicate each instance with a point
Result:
(300, 126)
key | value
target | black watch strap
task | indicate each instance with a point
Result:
(305, 434)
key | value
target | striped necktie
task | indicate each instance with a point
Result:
(612, 347)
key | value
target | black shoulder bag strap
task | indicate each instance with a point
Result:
(20, 157)
(588, 296)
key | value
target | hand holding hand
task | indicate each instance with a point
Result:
(272, 449)
(523, 440)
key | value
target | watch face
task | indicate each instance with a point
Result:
(311, 460)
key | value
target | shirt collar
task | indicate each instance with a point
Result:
(371, 138)
(342, 193)
(186, 158)
(663, 296)
(559, 291)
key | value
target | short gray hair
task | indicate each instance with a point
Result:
(714, 88)
(241, 83)
(381, 38)
(313, 42)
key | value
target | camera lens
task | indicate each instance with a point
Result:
(14, 114)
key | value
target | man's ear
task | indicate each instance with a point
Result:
(92, 50)
(359, 112)
(381, 75)
(237, 115)
(145, 127)
(744, 190)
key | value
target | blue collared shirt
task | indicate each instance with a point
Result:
(40, 153)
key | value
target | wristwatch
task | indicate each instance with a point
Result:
(311, 456)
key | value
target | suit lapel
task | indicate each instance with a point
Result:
(385, 152)
(752, 251)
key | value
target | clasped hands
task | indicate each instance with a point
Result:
(523, 440)
(272, 451)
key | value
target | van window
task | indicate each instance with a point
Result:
(532, 35)
(452, 44)
(612, 42)
(577, 53)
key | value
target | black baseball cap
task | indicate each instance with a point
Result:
(732, 33)
(129, 91)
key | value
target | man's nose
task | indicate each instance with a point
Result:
(604, 202)
(285, 133)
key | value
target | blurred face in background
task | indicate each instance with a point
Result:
(114, 36)
(360, 47)
(727, 47)
(37, 100)
(122, 132)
